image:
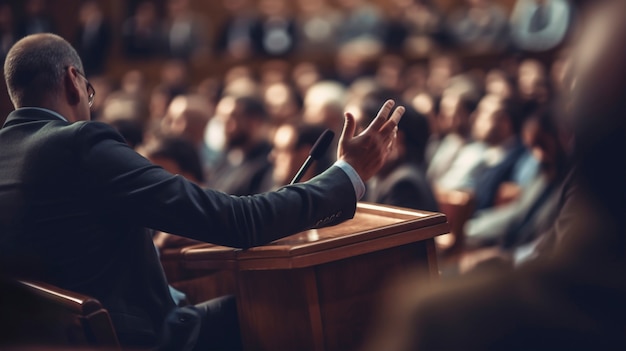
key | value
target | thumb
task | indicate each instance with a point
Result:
(349, 128)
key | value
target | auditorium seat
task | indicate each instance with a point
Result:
(458, 207)
(38, 314)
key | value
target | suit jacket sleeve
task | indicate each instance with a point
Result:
(132, 189)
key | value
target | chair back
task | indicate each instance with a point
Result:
(35, 313)
(458, 207)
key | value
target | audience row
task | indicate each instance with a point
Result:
(278, 28)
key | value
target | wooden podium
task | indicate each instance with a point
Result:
(318, 290)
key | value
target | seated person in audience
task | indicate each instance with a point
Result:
(318, 22)
(93, 38)
(454, 123)
(185, 31)
(468, 163)
(492, 159)
(187, 117)
(282, 103)
(245, 163)
(402, 180)
(274, 32)
(291, 146)
(573, 295)
(234, 36)
(75, 200)
(521, 221)
(533, 85)
(142, 33)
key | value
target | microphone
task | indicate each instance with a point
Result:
(317, 151)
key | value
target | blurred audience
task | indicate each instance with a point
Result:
(571, 296)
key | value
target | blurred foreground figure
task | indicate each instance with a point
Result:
(574, 295)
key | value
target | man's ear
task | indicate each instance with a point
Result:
(72, 87)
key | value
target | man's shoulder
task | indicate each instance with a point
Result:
(87, 130)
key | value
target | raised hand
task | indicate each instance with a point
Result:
(367, 152)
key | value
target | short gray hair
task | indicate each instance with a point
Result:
(35, 66)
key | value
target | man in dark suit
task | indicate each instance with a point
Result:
(74, 198)
(573, 297)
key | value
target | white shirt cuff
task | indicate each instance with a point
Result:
(357, 183)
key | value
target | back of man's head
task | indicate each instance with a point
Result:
(34, 68)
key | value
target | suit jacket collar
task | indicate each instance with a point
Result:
(29, 114)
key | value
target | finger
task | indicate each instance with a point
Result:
(391, 137)
(349, 127)
(382, 115)
(393, 121)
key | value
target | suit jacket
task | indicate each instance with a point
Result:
(74, 200)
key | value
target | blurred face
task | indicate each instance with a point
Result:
(490, 121)
(280, 102)
(452, 114)
(497, 84)
(237, 126)
(544, 147)
(285, 157)
(532, 81)
(187, 117)
(175, 122)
